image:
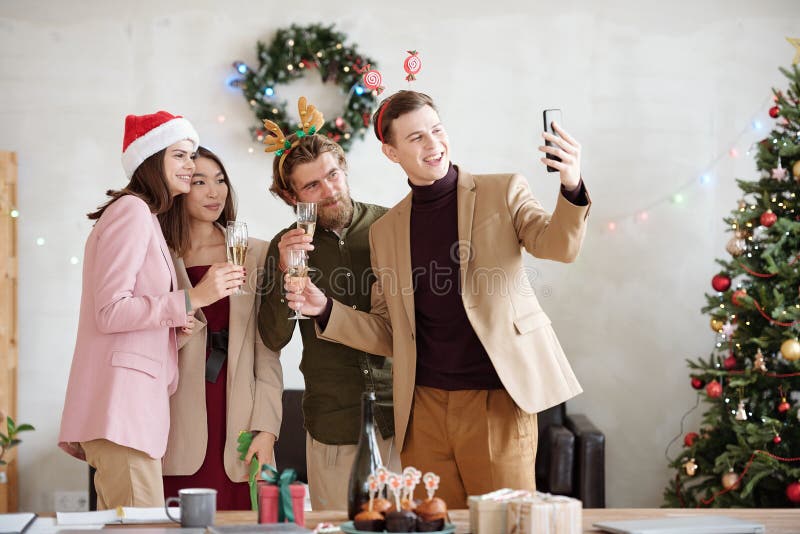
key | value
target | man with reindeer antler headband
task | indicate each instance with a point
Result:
(474, 355)
(312, 168)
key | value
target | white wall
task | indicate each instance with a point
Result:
(653, 92)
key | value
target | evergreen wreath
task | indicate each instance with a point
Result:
(293, 52)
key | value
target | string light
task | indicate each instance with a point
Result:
(40, 241)
(240, 66)
(269, 91)
(359, 90)
(704, 178)
(74, 260)
(14, 214)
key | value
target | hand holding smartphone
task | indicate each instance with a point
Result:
(550, 116)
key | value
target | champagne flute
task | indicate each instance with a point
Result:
(298, 276)
(307, 217)
(236, 241)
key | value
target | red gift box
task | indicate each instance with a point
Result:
(268, 502)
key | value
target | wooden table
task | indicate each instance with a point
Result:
(776, 520)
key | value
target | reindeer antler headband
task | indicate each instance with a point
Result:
(311, 120)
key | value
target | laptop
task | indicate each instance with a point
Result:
(708, 524)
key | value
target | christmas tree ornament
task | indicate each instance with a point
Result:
(721, 282)
(689, 438)
(714, 389)
(691, 468)
(729, 362)
(784, 406)
(796, 169)
(768, 218)
(730, 480)
(412, 65)
(741, 413)
(697, 383)
(777, 439)
(739, 293)
(716, 324)
(736, 246)
(728, 329)
(774, 111)
(759, 364)
(793, 492)
(779, 173)
(790, 349)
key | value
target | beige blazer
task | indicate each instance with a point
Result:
(498, 218)
(255, 380)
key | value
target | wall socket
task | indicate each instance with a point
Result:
(71, 501)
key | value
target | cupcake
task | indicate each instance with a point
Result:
(371, 521)
(380, 504)
(431, 515)
(401, 521)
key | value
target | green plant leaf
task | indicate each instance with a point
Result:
(24, 427)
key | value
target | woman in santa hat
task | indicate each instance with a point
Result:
(125, 364)
(229, 381)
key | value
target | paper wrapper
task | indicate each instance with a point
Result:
(543, 513)
(268, 501)
(487, 513)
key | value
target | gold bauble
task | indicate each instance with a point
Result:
(796, 169)
(736, 246)
(730, 480)
(716, 324)
(690, 467)
(790, 349)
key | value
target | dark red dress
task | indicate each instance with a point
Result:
(230, 495)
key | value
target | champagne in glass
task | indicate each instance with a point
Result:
(236, 242)
(298, 276)
(307, 217)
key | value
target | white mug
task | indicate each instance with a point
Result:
(198, 507)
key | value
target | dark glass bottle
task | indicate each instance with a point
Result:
(367, 460)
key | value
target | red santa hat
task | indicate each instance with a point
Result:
(147, 134)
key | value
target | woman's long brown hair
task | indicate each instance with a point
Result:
(148, 183)
(175, 221)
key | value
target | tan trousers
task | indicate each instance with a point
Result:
(477, 441)
(124, 476)
(329, 467)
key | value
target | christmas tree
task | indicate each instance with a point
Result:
(747, 451)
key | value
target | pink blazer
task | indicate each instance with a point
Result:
(125, 365)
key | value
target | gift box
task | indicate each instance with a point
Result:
(543, 513)
(487, 513)
(269, 502)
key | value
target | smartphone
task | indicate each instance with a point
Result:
(550, 116)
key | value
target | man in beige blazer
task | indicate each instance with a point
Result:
(475, 357)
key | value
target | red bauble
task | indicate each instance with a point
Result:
(737, 295)
(784, 406)
(720, 282)
(698, 383)
(714, 389)
(793, 492)
(729, 362)
(689, 438)
(776, 439)
(774, 111)
(768, 218)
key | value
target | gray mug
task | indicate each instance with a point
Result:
(198, 507)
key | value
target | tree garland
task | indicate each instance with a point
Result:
(292, 53)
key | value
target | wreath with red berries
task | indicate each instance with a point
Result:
(294, 52)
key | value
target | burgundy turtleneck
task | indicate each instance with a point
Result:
(449, 354)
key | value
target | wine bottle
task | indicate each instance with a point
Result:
(367, 460)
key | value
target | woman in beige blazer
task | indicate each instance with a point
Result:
(229, 381)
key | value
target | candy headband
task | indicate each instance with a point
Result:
(311, 120)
